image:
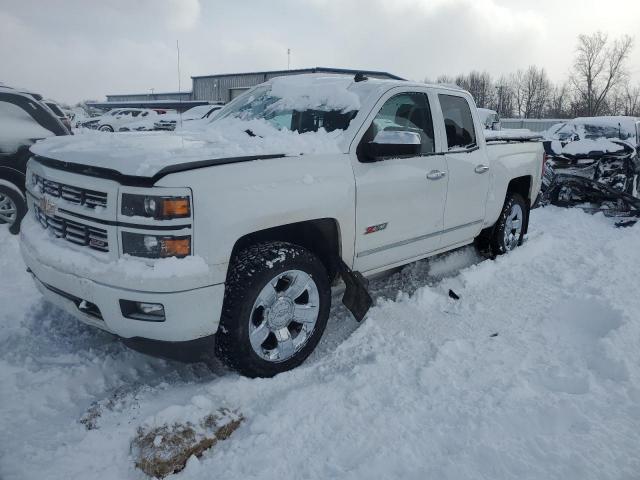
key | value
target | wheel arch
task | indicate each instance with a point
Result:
(13, 176)
(320, 236)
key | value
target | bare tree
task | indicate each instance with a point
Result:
(503, 102)
(531, 91)
(632, 101)
(598, 68)
(558, 106)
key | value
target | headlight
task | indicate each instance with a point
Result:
(157, 207)
(155, 246)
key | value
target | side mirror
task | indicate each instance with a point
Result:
(495, 125)
(394, 143)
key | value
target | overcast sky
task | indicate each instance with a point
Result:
(80, 49)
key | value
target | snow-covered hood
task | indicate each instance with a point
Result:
(145, 154)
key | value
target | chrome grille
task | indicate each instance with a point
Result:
(77, 195)
(74, 232)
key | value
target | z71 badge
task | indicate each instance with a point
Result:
(375, 228)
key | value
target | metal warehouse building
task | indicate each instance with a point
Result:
(147, 97)
(225, 87)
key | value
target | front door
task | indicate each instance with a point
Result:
(399, 200)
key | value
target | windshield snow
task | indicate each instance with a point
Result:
(306, 113)
(594, 130)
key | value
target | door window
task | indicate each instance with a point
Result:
(458, 122)
(405, 112)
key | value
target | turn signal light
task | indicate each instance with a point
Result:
(175, 247)
(175, 207)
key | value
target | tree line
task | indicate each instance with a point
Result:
(598, 84)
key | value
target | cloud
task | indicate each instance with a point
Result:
(184, 14)
(75, 49)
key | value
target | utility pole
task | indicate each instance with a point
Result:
(288, 59)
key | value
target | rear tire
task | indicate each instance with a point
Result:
(508, 231)
(276, 306)
(13, 207)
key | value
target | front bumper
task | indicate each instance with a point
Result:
(189, 314)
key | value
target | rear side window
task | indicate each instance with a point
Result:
(458, 122)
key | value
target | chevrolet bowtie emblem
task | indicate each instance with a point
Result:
(48, 207)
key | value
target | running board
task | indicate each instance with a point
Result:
(356, 296)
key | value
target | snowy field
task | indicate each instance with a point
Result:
(533, 374)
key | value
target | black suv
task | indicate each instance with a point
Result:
(23, 121)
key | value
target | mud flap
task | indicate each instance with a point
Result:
(356, 296)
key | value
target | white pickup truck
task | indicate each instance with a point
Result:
(241, 229)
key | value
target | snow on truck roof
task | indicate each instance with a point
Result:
(235, 132)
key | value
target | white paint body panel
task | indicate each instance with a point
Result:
(424, 217)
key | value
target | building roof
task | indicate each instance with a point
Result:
(168, 104)
(348, 71)
(148, 94)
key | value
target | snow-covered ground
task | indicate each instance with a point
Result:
(533, 373)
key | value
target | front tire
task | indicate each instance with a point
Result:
(106, 128)
(12, 208)
(508, 231)
(276, 307)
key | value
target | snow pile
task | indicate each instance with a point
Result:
(534, 373)
(586, 146)
(311, 92)
(146, 153)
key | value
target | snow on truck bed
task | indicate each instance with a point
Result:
(533, 374)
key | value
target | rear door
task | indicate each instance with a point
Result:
(468, 168)
(399, 210)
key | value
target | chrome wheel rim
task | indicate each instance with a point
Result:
(8, 210)
(284, 316)
(513, 227)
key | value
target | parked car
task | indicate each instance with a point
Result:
(23, 120)
(94, 122)
(490, 119)
(59, 112)
(146, 123)
(241, 231)
(114, 122)
(200, 112)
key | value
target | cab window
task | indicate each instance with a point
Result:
(458, 122)
(405, 112)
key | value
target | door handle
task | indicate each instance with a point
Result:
(435, 174)
(481, 168)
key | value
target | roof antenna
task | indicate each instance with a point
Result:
(360, 77)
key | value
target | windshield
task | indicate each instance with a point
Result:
(593, 131)
(196, 112)
(55, 109)
(260, 104)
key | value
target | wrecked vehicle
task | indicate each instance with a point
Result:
(597, 175)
